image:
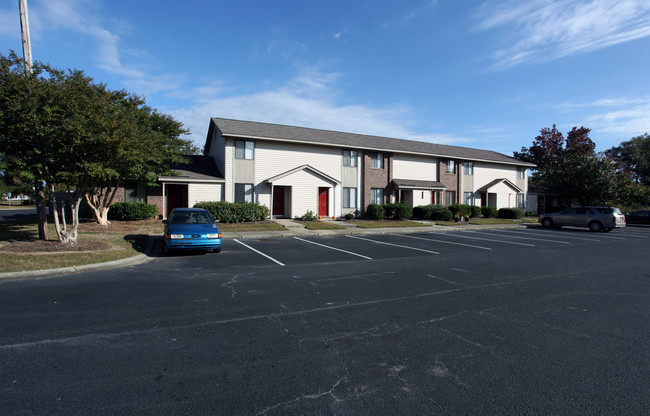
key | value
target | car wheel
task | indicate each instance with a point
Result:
(595, 226)
(547, 222)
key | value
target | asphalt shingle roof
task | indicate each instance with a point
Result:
(278, 132)
(199, 167)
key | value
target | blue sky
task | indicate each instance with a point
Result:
(484, 74)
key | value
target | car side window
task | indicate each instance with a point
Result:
(567, 211)
(583, 211)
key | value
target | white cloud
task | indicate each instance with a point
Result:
(307, 101)
(546, 30)
(624, 118)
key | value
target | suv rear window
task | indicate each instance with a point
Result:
(608, 210)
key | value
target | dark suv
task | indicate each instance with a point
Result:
(596, 218)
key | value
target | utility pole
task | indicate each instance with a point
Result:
(41, 213)
(24, 28)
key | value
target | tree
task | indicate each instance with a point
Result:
(633, 157)
(570, 168)
(62, 131)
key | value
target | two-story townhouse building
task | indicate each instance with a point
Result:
(293, 170)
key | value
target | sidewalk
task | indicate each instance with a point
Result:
(293, 229)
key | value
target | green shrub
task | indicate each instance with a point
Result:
(511, 213)
(432, 212)
(309, 216)
(349, 216)
(397, 211)
(489, 212)
(132, 211)
(476, 211)
(460, 210)
(230, 212)
(375, 212)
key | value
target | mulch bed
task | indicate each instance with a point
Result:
(91, 225)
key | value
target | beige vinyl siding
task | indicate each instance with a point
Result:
(304, 190)
(506, 196)
(415, 167)
(198, 192)
(273, 159)
(229, 153)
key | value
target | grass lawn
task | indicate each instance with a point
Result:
(386, 224)
(28, 253)
(320, 225)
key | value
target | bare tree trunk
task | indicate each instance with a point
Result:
(41, 213)
(66, 236)
(100, 203)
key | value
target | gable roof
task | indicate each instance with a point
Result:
(199, 168)
(298, 169)
(277, 132)
(498, 181)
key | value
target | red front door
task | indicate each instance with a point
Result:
(176, 197)
(278, 200)
(323, 198)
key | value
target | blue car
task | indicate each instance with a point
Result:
(191, 229)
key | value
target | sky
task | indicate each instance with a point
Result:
(482, 74)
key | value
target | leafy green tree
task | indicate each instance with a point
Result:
(633, 157)
(61, 131)
(571, 168)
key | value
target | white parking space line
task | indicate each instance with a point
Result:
(522, 238)
(629, 234)
(333, 248)
(391, 244)
(488, 239)
(258, 252)
(553, 233)
(441, 241)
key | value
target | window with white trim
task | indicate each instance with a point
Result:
(469, 168)
(377, 160)
(450, 198)
(521, 201)
(350, 158)
(521, 172)
(376, 196)
(244, 149)
(244, 192)
(349, 197)
(450, 167)
(469, 198)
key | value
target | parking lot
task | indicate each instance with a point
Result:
(305, 250)
(502, 321)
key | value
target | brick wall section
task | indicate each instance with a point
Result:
(449, 180)
(154, 196)
(377, 178)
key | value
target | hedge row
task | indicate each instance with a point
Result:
(230, 212)
(132, 211)
(397, 211)
(511, 213)
(432, 212)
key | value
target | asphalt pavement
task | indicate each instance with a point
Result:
(484, 322)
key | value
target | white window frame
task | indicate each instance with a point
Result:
(521, 201)
(349, 197)
(244, 192)
(450, 166)
(468, 197)
(469, 168)
(377, 160)
(450, 198)
(376, 196)
(244, 149)
(350, 158)
(521, 172)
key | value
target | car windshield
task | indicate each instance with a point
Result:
(191, 218)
